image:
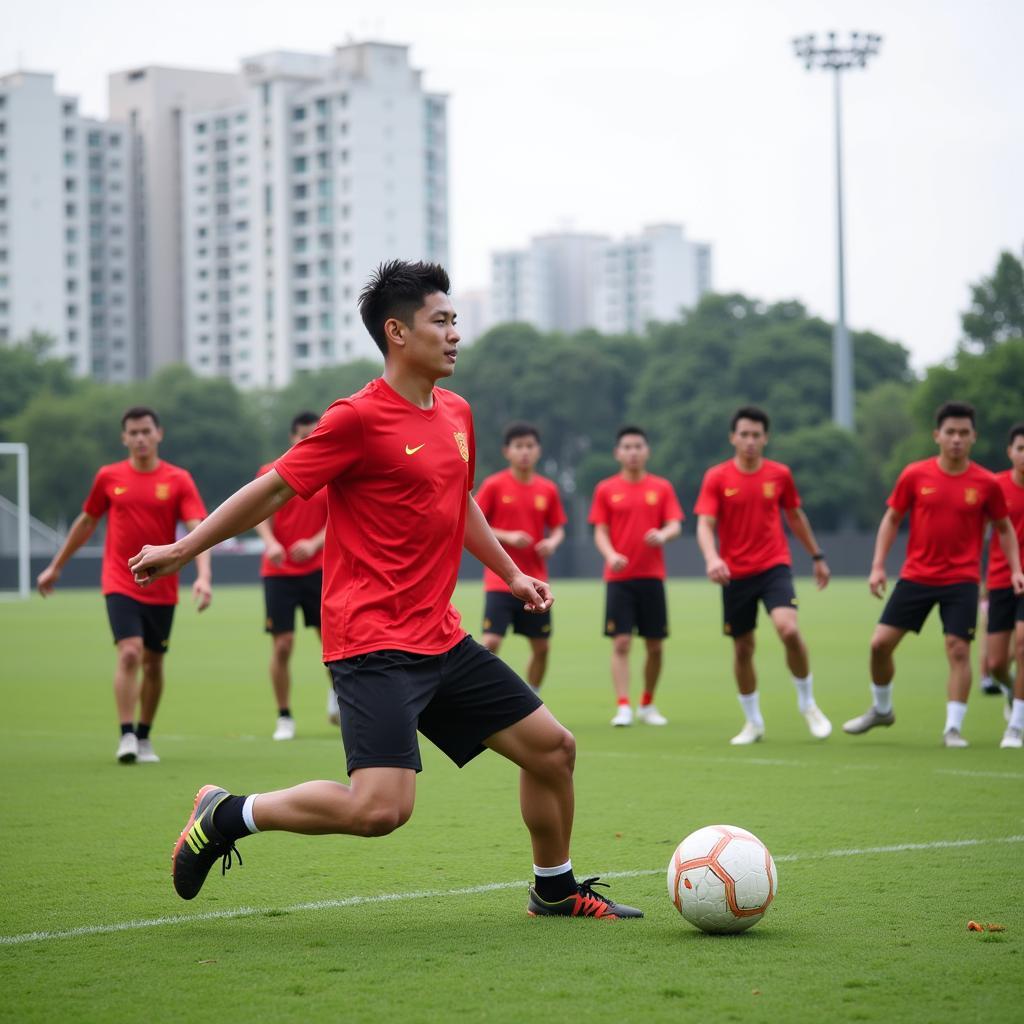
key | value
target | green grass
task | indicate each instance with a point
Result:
(870, 936)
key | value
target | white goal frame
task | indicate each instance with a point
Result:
(20, 451)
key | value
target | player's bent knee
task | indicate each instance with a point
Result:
(744, 647)
(283, 644)
(621, 644)
(129, 655)
(957, 648)
(381, 820)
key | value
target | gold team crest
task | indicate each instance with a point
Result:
(463, 443)
(971, 495)
(540, 503)
(651, 497)
(163, 491)
(768, 489)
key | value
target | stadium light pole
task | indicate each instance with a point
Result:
(837, 58)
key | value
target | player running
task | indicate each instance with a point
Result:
(742, 498)
(146, 498)
(634, 514)
(397, 459)
(1005, 606)
(948, 498)
(521, 506)
(292, 572)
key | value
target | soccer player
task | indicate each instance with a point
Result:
(948, 498)
(145, 498)
(397, 459)
(292, 571)
(634, 514)
(1005, 606)
(742, 499)
(524, 510)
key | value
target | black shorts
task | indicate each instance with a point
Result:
(910, 604)
(456, 699)
(1005, 609)
(773, 588)
(129, 618)
(283, 594)
(502, 610)
(636, 606)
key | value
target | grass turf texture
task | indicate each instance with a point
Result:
(870, 936)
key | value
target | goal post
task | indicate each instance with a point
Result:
(20, 451)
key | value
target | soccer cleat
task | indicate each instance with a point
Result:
(990, 687)
(200, 844)
(128, 748)
(285, 728)
(952, 738)
(333, 711)
(650, 715)
(820, 726)
(624, 716)
(871, 718)
(146, 754)
(1013, 739)
(584, 902)
(750, 733)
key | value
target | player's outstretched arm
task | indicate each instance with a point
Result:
(242, 511)
(1011, 548)
(715, 567)
(801, 527)
(81, 530)
(884, 540)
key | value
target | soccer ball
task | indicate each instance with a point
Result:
(722, 879)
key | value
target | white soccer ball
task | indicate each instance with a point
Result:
(722, 879)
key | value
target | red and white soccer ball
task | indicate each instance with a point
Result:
(722, 879)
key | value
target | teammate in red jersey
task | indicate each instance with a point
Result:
(524, 509)
(1005, 605)
(397, 459)
(742, 498)
(634, 514)
(144, 498)
(293, 572)
(949, 499)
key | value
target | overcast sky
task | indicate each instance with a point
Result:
(605, 116)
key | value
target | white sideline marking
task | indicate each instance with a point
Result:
(473, 890)
(979, 775)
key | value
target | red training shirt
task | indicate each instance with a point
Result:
(398, 479)
(144, 508)
(296, 520)
(746, 509)
(998, 566)
(508, 504)
(947, 520)
(629, 510)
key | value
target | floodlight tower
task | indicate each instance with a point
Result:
(837, 58)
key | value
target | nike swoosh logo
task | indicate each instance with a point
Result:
(730, 491)
(928, 490)
(120, 490)
(413, 451)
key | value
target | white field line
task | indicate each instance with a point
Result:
(473, 890)
(979, 775)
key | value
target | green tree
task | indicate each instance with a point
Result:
(884, 422)
(26, 369)
(996, 313)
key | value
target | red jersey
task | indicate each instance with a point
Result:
(398, 480)
(296, 520)
(144, 508)
(508, 504)
(629, 510)
(746, 509)
(998, 566)
(947, 520)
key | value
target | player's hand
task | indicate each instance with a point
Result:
(535, 594)
(617, 562)
(47, 580)
(877, 582)
(1017, 581)
(274, 552)
(822, 573)
(202, 593)
(654, 538)
(154, 561)
(519, 539)
(718, 572)
(303, 550)
(545, 548)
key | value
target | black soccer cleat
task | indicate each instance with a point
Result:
(584, 902)
(200, 844)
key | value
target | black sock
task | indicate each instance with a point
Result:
(555, 887)
(227, 819)
(127, 727)
(285, 712)
(143, 730)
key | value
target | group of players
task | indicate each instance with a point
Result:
(366, 516)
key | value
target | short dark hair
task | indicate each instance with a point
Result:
(522, 429)
(397, 289)
(303, 419)
(752, 413)
(1017, 430)
(139, 412)
(628, 429)
(954, 411)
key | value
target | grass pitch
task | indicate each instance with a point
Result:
(886, 844)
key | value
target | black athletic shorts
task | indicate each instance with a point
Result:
(636, 606)
(773, 588)
(456, 699)
(910, 604)
(1005, 609)
(283, 594)
(502, 609)
(152, 622)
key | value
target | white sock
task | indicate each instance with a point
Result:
(955, 711)
(1017, 714)
(558, 869)
(882, 697)
(804, 692)
(751, 704)
(247, 813)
